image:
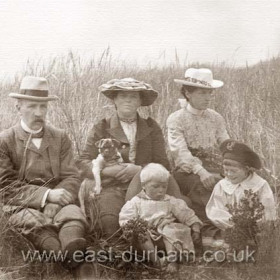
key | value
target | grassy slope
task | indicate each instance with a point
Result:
(249, 102)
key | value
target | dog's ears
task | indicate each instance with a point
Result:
(116, 143)
(99, 143)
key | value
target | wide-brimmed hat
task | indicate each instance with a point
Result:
(111, 88)
(241, 153)
(35, 89)
(202, 78)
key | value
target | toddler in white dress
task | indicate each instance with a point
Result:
(175, 222)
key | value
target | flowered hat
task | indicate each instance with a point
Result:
(111, 88)
(202, 78)
(240, 152)
(34, 89)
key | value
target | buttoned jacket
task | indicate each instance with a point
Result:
(150, 145)
(26, 172)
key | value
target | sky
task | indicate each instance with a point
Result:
(234, 31)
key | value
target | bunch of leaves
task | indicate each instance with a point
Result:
(245, 217)
(210, 156)
(137, 229)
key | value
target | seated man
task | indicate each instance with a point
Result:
(38, 178)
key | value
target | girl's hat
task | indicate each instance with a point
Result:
(202, 78)
(111, 88)
(34, 89)
(241, 153)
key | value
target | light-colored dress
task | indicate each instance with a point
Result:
(171, 216)
(227, 193)
(190, 129)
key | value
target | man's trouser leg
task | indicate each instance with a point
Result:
(42, 231)
(34, 225)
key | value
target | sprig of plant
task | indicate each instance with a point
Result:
(136, 229)
(245, 217)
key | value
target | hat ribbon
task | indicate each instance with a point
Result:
(33, 92)
(196, 81)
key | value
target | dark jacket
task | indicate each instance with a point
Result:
(26, 173)
(149, 142)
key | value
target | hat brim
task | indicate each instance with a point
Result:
(148, 96)
(32, 98)
(215, 84)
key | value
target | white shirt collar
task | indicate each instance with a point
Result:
(253, 181)
(27, 129)
(194, 111)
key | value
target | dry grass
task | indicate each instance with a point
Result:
(249, 102)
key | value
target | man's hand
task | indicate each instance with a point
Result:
(60, 196)
(51, 209)
(128, 172)
(208, 180)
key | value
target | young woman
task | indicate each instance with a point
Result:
(141, 142)
(194, 135)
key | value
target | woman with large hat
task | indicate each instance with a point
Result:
(141, 142)
(194, 135)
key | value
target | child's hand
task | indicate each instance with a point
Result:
(196, 237)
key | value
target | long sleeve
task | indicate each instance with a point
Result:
(68, 175)
(216, 209)
(13, 190)
(183, 213)
(128, 211)
(158, 145)
(179, 149)
(221, 133)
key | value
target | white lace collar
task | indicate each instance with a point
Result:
(253, 182)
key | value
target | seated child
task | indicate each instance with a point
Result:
(176, 223)
(239, 163)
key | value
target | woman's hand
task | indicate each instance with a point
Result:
(128, 172)
(208, 180)
(112, 171)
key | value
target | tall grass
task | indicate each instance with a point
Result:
(248, 101)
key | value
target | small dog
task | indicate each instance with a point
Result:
(108, 155)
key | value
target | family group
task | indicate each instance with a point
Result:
(40, 178)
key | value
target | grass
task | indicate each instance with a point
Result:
(249, 102)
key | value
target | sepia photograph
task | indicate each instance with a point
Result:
(139, 139)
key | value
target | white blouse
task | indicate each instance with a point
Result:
(189, 128)
(130, 130)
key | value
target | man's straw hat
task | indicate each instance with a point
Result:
(34, 89)
(202, 78)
